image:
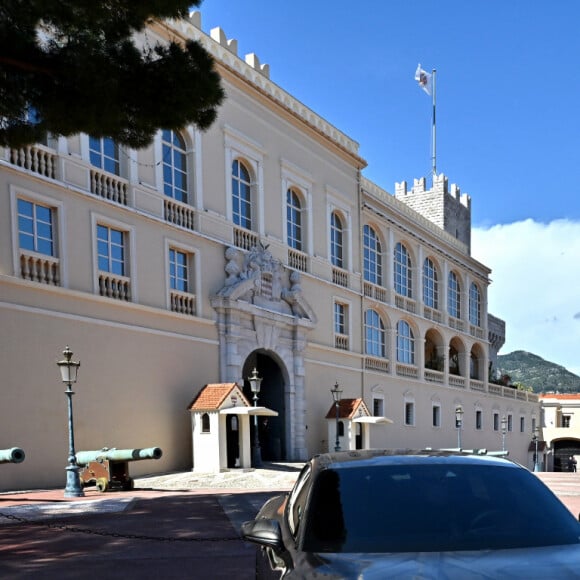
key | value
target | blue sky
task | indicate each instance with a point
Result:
(508, 124)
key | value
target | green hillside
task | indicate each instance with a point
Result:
(533, 371)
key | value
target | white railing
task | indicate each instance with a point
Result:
(341, 341)
(340, 277)
(245, 239)
(179, 214)
(376, 364)
(109, 186)
(35, 159)
(432, 376)
(183, 302)
(477, 332)
(405, 303)
(494, 389)
(456, 323)
(297, 260)
(409, 371)
(39, 268)
(432, 314)
(111, 286)
(456, 381)
(375, 292)
(476, 385)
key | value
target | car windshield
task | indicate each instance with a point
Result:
(431, 508)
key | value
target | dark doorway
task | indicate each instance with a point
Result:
(563, 449)
(358, 436)
(233, 440)
(271, 430)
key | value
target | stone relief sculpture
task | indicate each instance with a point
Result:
(258, 278)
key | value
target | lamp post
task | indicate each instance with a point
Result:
(336, 394)
(503, 432)
(459, 423)
(255, 382)
(69, 370)
(535, 438)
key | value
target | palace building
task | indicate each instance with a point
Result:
(258, 244)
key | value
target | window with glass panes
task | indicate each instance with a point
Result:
(241, 195)
(340, 318)
(496, 421)
(478, 419)
(402, 271)
(174, 158)
(294, 220)
(374, 334)
(35, 227)
(104, 154)
(178, 270)
(436, 416)
(405, 343)
(111, 250)
(373, 270)
(336, 240)
(474, 305)
(453, 296)
(430, 284)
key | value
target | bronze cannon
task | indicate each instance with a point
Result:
(13, 455)
(109, 468)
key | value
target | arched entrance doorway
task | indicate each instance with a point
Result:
(271, 430)
(563, 450)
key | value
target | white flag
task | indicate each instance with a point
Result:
(423, 78)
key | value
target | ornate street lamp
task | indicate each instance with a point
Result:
(69, 370)
(535, 439)
(336, 394)
(255, 382)
(458, 423)
(503, 432)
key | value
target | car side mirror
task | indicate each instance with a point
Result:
(263, 531)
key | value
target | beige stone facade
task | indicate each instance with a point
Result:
(256, 244)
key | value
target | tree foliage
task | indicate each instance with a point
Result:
(72, 66)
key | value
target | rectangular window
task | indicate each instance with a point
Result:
(436, 416)
(378, 408)
(409, 413)
(35, 228)
(566, 421)
(533, 424)
(104, 154)
(496, 421)
(510, 423)
(522, 425)
(478, 419)
(178, 270)
(341, 325)
(111, 250)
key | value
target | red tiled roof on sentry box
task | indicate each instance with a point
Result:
(212, 396)
(347, 408)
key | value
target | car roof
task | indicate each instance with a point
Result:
(386, 457)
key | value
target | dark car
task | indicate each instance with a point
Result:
(415, 514)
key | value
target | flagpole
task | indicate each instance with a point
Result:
(434, 127)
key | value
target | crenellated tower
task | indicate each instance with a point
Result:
(446, 207)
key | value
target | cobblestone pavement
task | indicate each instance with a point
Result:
(271, 476)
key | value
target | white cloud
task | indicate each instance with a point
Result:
(535, 286)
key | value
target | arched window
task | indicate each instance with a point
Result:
(453, 296)
(430, 284)
(402, 272)
(474, 305)
(405, 343)
(294, 220)
(174, 165)
(373, 269)
(336, 240)
(241, 195)
(205, 425)
(104, 154)
(374, 334)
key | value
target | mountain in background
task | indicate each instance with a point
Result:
(533, 371)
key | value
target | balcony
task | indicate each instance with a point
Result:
(117, 287)
(297, 260)
(179, 214)
(39, 268)
(340, 277)
(36, 160)
(375, 292)
(183, 302)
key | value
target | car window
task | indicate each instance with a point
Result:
(297, 499)
(411, 508)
